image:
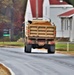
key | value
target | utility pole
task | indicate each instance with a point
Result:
(36, 9)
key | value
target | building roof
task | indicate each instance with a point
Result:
(67, 14)
(40, 6)
(57, 2)
(33, 7)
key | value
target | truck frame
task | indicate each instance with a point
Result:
(40, 34)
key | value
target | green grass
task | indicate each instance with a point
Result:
(59, 46)
(18, 44)
(63, 46)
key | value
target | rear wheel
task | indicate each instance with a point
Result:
(28, 48)
(51, 49)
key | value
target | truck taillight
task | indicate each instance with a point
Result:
(29, 41)
(51, 42)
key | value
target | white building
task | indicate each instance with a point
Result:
(40, 8)
(57, 7)
(67, 24)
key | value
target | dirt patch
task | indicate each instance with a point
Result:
(66, 52)
(4, 70)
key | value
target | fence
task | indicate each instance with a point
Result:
(65, 46)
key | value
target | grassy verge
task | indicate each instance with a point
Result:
(14, 44)
(65, 48)
(66, 52)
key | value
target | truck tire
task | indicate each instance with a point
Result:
(51, 49)
(28, 48)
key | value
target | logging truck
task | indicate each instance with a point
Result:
(40, 34)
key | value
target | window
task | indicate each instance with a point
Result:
(67, 24)
(70, 23)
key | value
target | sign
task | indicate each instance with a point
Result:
(6, 32)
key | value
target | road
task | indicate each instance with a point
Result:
(36, 63)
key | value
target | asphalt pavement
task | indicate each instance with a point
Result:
(39, 62)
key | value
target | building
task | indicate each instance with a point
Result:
(67, 24)
(57, 7)
(49, 9)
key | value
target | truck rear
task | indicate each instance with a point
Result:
(40, 34)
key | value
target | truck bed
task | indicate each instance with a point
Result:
(41, 30)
